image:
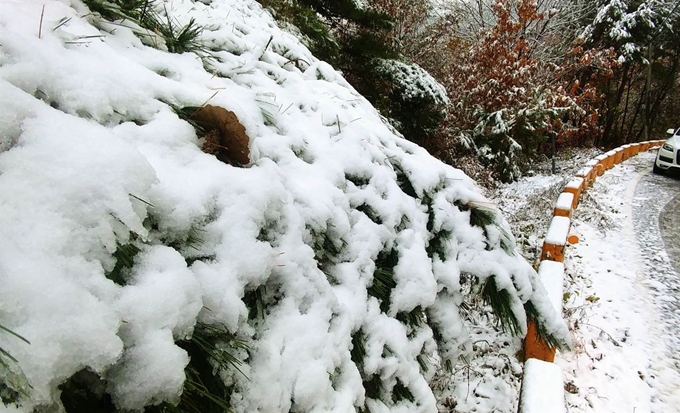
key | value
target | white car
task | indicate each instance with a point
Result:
(669, 154)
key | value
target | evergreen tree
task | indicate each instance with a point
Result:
(403, 92)
(644, 37)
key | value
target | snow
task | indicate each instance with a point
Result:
(575, 183)
(558, 231)
(551, 274)
(94, 158)
(585, 171)
(565, 201)
(542, 389)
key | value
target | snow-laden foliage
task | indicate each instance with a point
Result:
(413, 82)
(640, 101)
(327, 273)
(630, 25)
(508, 101)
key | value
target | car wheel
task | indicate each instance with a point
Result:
(656, 169)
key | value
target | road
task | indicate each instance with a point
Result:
(669, 224)
(656, 217)
(656, 213)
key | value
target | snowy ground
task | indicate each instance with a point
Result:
(528, 203)
(620, 284)
(620, 297)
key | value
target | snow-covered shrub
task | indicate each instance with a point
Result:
(417, 100)
(413, 82)
(329, 272)
(507, 138)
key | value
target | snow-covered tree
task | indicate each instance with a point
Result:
(644, 36)
(502, 101)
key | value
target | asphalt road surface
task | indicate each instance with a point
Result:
(669, 224)
(656, 217)
(656, 213)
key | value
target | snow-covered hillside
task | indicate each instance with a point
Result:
(329, 257)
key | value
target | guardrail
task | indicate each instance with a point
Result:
(543, 383)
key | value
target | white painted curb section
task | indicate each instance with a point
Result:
(542, 388)
(551, 274)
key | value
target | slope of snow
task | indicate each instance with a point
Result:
(93, 157)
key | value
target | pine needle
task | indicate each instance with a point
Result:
(549, 339)
(142, 201)
(13, 382)
(207, 336)
(42, 15)
(14, 334)
(125, 256)
(62, 22)
(9, 356)
(501, 304)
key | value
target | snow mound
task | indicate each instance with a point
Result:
(336, 254)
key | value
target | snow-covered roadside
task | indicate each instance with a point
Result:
(620, 363)
(528, 203)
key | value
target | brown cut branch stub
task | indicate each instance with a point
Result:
(226, 137)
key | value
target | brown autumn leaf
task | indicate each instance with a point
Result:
(233, 143)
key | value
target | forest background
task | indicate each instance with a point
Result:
(489, 86)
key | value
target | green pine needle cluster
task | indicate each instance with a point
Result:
(255, 301)
(484, 215)
(125, 259)
(133, 10)
(13, 383)
(548, 338)
(414, 318)
(178, 38)
(181, 39)
(383, 278)
(326, 247)
(500, 301)
(211, 349)
(317, 35)
(403, 181)
(370, 212)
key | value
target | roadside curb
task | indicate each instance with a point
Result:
(548, 395)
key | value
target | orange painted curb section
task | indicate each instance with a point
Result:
(552, 252)
(575, 188)
(618, 156)
(535, 347)
(635, 149)
(609, 162)
(626, 152)
(562, 212)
